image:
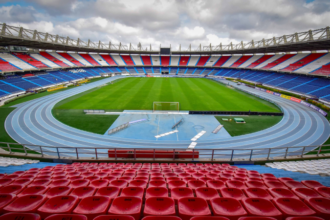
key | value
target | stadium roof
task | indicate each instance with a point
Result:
(304, 41)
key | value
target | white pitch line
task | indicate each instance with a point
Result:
(200, 134)
(165, 134)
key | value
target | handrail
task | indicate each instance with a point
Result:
(34, 35)
(98, 153)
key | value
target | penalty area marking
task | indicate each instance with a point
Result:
(165, 134)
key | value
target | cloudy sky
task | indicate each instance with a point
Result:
(167, 22)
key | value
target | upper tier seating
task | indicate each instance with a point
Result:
(54, 57)
(71, 59)
(16, 61)
(89, 59)
(202, 60)
(7, 67)
(30, 60)
(165, 191)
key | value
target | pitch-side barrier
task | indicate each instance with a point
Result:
(161, 154)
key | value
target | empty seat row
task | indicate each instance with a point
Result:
(187, 207)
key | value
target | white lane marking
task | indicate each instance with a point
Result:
(165, 134)
(200, 134)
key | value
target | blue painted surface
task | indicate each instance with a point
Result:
(159, 124)
(12, 169)
(283, 173)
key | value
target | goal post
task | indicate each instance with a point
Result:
(166, 106)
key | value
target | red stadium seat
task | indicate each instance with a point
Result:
(304, 218)
(40, 182)
(126, 206)
(23, 182)
(235, 184)
(82, 192)
(92, 178)
(126, 178)
(293, 207)
(138, 183)
(56, 183)
(20, 216)
(232, 193)
(33, 190)
(306, 193)
(294, 184)
(284, 179)
(321, 206)
(189, 179)
(324, 191)
(109, 178)
(229, 207)
(119, 183)
(66, 217)
(206, 193)
(189, 207)
(132, 191)
(216, 184)
(28, 203)
(208, 218)
(156, 192)
(109, 191)
(99, 183)
(158, 178)
(58, 205)
(5, 199)
(275, 184)
(181, 192)
(261, 207)
(58, 191)
(162, 206)
(311, 183)
(255, 184)
(141, 178)
(168, 179)
(79, 183)
(93, 206)
(157, 183)
(282, 193)
(158, 218)
(176, 183)
(257, 193)
(12, 189)
(194, 184)
(115, 217)
(256, 218)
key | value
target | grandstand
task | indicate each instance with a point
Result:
(62, 159)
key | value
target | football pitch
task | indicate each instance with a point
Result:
(193, 94)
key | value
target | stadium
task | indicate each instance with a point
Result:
(96, 130)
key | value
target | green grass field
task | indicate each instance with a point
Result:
(253, 124)
(191, 93)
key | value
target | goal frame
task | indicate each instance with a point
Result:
(177, 103)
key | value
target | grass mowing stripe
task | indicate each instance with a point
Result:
(181, 96)
(140, 91)
(197, 101)
(204, 91)
(152, 96)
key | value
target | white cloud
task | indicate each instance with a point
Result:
(168, 22)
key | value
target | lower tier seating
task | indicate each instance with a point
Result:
(153, 191)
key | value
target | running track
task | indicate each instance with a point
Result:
(32, 122)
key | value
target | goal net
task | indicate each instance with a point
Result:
(166, 106)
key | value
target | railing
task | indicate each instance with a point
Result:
(22, 33)
(229, 155)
